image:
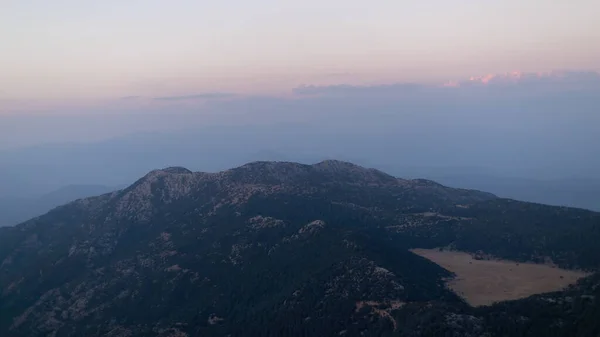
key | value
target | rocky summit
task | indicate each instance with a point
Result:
(285, 249)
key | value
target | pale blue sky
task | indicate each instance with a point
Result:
(74, 49)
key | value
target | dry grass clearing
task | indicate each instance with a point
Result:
(484, 282)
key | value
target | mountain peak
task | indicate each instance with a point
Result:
(176, 170)
(337, 165)
(327, 171)
(167, 184)
(265, 178)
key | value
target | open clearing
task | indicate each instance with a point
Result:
(484, 282)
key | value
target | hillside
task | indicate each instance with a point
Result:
(284, 249)
(14, 210)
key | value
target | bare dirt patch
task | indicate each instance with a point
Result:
(484, 282)
(382, 309)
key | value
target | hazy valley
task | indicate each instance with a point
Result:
(14, 210)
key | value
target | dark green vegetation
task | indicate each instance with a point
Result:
(283, 249)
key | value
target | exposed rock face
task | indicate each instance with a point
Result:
(267, 249)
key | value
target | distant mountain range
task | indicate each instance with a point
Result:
(574, 192)
(287, 249)
(582, 193)
(81, 164)
(16, 210)
(546, 140)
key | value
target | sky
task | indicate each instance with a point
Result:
(101, 92)
(72, 51)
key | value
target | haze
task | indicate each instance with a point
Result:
(501, 96)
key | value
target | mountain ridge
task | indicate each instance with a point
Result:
(266, 177)
(16, 210)
(275, 249)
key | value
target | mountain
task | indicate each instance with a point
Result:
(572, 192)
(582, 193)
(16, 210)
(82, 164)
(285, 249)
